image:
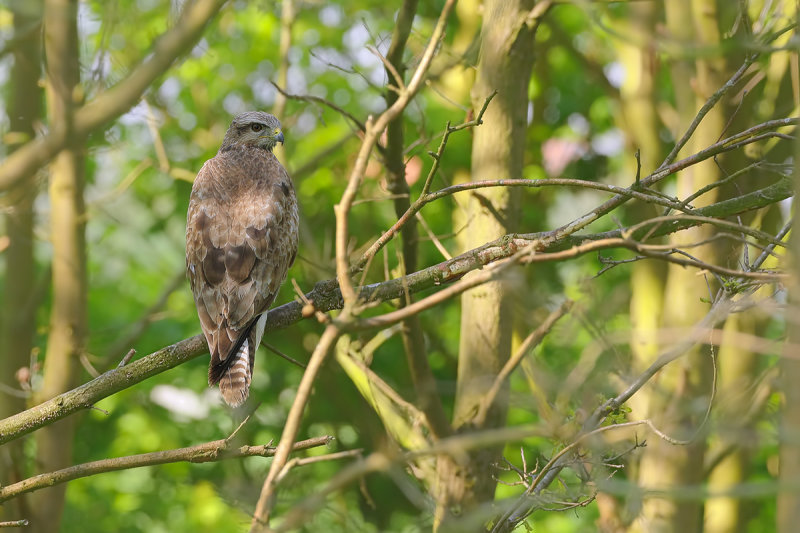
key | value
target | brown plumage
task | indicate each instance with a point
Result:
(241, 238)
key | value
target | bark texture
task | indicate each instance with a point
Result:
(19, 301)
(788, 513)
(504, 65)
(681, 395)
(640, 122)
(68, 317)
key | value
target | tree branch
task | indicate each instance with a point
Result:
(116, 100)
(106, 384)
(326, 297)
(265, 499)
(201, 453)
(525, 505)
(530, 342)
(707, 106)
(782, 188)
(15, 523)
(374, 128)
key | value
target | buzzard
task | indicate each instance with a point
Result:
(241, 238)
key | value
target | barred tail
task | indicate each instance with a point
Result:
(235, 382)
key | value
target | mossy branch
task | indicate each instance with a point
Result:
(326, 296)
(201, 453)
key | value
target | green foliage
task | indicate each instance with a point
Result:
(137, 204)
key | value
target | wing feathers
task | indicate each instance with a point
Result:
(241, 237)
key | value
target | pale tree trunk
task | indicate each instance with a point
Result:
(742, 390)
(19, 291)
(640, 122)
(681, 393)
(788, 513)
(67, 332)
(738, 402)
(505, 61)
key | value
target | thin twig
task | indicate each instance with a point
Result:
(448, 129)
(318, 100)
(137, 329)
(432, 236)
(769, 249)
(373, 130)
(15, 523)
(398, 79)
(530, 342)
(127, 358)
(710, 103)
(318, 459)
(276, 351)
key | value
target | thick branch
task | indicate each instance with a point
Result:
(105, 385)
(326, 296)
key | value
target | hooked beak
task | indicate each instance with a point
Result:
(279, 138)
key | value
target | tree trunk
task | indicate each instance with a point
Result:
(17, 324)
(640, 122)
(68, 317)
(682, 393)
(738, 403)
(505, 62)
(788, 513)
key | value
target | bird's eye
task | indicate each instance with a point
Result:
(256, 127)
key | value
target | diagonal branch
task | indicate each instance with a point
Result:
(266, 499)
(710, 103)
(530, 342)
(374, 128)
(526, 504)
(116, 100)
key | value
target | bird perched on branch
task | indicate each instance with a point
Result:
(241, 238)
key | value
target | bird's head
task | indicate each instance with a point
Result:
(254, 128)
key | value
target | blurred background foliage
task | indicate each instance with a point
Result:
(139, 173)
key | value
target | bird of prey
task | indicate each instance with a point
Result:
(241, 238)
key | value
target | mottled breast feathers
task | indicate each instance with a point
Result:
(241, 238)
